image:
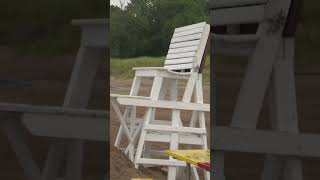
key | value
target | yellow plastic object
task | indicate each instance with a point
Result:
(190, 156)
(141, 179)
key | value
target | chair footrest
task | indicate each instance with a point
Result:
(184, 138)
(160, 162)
(175, 129)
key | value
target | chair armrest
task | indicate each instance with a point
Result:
(53, 110)
(144, 102)
(160, 72)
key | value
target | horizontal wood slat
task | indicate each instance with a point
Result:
(193, 26)
(184, 44)
(235, 45)
(241, 38)
(186, 38)
(179, 61)
(240, 15)
(165, 73)
(189, 32)
(234, 3)
(181, 55)
(162, 162)
(233, 50)
(277, 143)
(175, 129)
(56, 110)
(183, 49)
(64, 126)
(183, 139)
(179, 66)
(163, 104)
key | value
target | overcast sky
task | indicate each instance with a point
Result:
(116, 2)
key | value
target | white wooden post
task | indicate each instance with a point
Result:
(284, 111)
(129, 112)
(154, 95)
(13, 130)
(270, 70)
(90, 55)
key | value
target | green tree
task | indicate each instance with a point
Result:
(145, 27)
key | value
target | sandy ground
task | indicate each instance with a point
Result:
(244, 165)
(123, 87)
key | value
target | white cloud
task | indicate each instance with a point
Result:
(114, 2)
(117, 2)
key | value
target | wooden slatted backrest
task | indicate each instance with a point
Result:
(187, 47)
(248, 12)
(237, 25)
(227, 18)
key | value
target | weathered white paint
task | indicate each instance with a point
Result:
(184, 53)
(270, 69)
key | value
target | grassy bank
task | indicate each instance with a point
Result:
(122, 68)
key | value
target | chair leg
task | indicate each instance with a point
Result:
(201, 116)
(172, 171)
(135, 137)
(293, 169)
(132, 116)
(129, 112)
(176, 119)
(195, 173)
(54, 160)
(119, 137)
(13, 130)
(142, 138)
(74, 160)
(283, 110)
(218, 164)
(162, 94)
(272, 168)
(154, 95)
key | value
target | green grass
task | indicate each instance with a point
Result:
(122, 68)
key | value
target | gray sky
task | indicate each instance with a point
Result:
(116, 2)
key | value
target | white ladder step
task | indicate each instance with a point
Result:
(172, 129)
(190, 139)
(160, 162)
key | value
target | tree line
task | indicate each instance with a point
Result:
(145, 27)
